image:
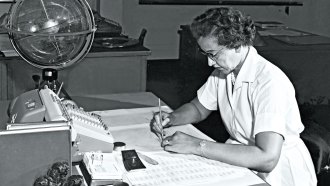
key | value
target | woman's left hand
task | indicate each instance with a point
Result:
(181, 143)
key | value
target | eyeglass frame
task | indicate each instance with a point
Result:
(210, 55)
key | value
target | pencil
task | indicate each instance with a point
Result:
(160, 118)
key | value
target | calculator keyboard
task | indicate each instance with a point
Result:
(89, 124)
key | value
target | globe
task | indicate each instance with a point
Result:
(51, 33)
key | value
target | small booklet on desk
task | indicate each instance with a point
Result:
(100, 169)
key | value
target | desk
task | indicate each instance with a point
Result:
(127, 127)
(307, 65)
(123, 122)
(102, 71)
(141, 100)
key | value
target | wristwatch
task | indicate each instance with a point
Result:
(202, 145)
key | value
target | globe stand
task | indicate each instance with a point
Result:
(49, 77)
(51, 35)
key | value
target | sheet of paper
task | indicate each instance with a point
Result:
(180, 169)
(132, 126)
(139, 138)
(128, 117)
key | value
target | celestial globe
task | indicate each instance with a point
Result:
(51, 33)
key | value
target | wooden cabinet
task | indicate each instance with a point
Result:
(103, 71)
(307, 65)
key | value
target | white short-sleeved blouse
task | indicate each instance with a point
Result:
(262, 99)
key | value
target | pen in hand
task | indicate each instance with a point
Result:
(160, 120)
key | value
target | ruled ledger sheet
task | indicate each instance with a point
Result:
(180, 169)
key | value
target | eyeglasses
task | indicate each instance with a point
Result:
(210, 55)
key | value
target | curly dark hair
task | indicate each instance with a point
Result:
(231, 27)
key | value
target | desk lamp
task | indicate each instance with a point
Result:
(51, 35)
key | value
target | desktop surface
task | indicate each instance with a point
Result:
(120, 108)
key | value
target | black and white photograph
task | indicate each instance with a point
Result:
(164, 93)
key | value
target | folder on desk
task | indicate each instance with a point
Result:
(28, 154)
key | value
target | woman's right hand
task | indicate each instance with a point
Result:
(156, 126)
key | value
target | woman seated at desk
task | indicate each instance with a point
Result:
(255, 99)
